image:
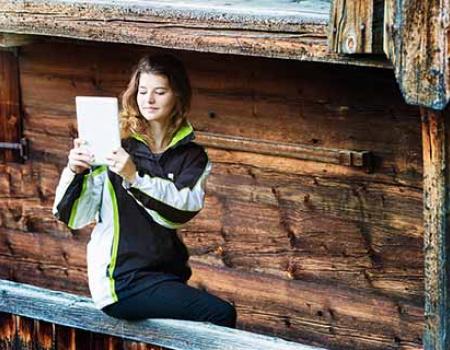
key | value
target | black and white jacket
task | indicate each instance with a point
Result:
(134, 243)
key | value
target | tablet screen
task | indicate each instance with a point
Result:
(98, 125)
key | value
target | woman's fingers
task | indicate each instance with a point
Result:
(82, 155)
(80, 163)
(78, 142)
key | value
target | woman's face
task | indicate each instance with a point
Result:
(155, 98)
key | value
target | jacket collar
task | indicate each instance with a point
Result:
(184, 135)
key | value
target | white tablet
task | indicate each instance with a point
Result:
(98, 124)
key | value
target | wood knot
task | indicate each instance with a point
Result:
(350, 44)
(290, 270)
(219, 251)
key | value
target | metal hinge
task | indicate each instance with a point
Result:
(22, 146)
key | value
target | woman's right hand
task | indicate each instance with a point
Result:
(80, 158)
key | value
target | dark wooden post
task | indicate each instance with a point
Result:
(10, 111)
(436, 184)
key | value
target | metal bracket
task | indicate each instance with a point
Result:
(22, 146)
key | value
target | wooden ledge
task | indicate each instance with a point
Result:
(78, 312)
(359, 159)
(265, 31)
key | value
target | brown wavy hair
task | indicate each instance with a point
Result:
(131, 120)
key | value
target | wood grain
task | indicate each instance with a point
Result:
(436, 220)
(417, 44)
(289, 221)
(301, 36)
(352, 27)
(10, 107)
(74, 311)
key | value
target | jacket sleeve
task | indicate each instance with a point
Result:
(78, 197)
(172, 203)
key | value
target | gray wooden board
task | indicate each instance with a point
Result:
(318, 9)
(78, 312)
(285, 29)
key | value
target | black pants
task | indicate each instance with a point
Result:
(173, 299)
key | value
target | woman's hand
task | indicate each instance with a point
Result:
(80, 158)
(120, 162)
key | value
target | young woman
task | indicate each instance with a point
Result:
(153, 184)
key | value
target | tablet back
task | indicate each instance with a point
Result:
(98, 124)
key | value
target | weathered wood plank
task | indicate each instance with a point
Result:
(354, 158)
(436, 157)
(416, 41)
(7, 331)
(390, 29)
(74, 311)
(10, 108)
(318, 154)
(322, 254)
(65, 338)
(299, 35)
(317, 313)
(328, 237)
(25, 333)
(355, 27)
(132, 345)
(44, 334)
(355, 229)
(266, 312)
(262, 98)
(15, 40)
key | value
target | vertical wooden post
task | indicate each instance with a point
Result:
(436, 185)
(416, 36)
(65, 338)
(44, 335)
(25, 330)
(356, 26)
(10, 111)
(7, 331)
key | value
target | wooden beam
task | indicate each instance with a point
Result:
(356, 26)
(79, 312)
(436, 185)
(299, 35)
(15, 40)
(416, 41)
(361, 159)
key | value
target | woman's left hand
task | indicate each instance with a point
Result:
(120, 162)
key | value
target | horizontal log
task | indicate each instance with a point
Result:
(362, 159)
(78, 312)
(240, 250)
(299, 35)
(41, 273)
(293, 220)
(339, 318)
(304, 323)
(243, 93)
(325, 239)
(14, 40)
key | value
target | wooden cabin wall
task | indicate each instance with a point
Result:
(314, 252)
